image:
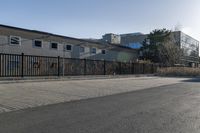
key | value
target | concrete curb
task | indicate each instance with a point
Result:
(67, 78)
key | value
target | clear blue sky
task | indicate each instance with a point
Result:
(93, 18)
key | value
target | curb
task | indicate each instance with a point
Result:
(67, 78)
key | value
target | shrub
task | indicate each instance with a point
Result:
(179, 71)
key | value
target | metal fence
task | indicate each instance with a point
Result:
(13, 65)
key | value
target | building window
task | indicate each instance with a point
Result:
(103, 51)
(82, 49)
(94, 50)
(38, 43)
(54, 45)
(68, 47)
(15, 40)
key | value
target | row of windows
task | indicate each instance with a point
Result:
(189, 40)
(14, 40)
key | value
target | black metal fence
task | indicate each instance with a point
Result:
(12, 65)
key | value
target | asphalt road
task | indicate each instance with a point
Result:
(22, 95)
(167, 109)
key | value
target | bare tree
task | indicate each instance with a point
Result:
(170, 51)
(163, 47)
(178, 27)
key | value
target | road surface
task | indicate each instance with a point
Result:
(171, 108)
(16, 96)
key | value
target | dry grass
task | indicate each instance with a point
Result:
(179, 71)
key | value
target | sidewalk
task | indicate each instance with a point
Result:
(15, 96)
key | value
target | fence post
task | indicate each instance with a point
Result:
(63, 66)
(22, 65)
(130, 72)
(104, 67)
(143, 68)
(85, 61)
(120, 68)
(0, 65)
(155, 68)
(58, 66)
(133, 68)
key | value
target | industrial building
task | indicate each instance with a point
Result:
(15, 40)
(189, 45)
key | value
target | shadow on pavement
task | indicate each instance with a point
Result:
(195, 80)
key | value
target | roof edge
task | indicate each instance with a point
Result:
(62, 36)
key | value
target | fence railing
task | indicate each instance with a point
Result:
(13, 65)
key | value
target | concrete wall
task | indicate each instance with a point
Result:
(112, 38)
(28, 48)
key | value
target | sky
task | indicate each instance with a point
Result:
(93, 18)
